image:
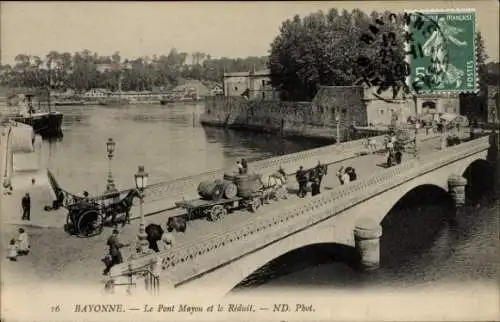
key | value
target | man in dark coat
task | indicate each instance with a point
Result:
(315, 186)
(302, 181)
(114, 245)
(244, 165)
(319, 174)
(26, 205)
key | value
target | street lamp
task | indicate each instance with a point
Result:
(337, 121)
(110, 148)
(141, 182)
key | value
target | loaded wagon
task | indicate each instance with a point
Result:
(87, 217)
(234, 191)
(84, 219)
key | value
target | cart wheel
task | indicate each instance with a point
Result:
(90, 223)
(274, 195)
(217, 212)
(68, 227)
(255, 204)
(191, 214)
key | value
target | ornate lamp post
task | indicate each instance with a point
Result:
(141, 182)
(110, 148)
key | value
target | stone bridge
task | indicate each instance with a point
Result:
(347, 215)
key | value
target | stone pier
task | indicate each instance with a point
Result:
(456, 188)
(367, 233)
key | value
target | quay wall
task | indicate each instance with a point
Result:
(316, 119)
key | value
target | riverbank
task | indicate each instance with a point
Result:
(289, 119)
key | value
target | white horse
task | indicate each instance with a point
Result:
(275, 183)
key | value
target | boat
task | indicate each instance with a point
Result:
(179, 99)
(114, 101)
(45, 123)
(166, 101)
(69, 103)
(118, 100)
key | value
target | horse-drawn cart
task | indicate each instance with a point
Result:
(88, 215)
(216, 209)
(244, 191)
(84, 220)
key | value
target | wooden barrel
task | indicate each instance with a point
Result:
(230, 189)
(230, 176)
(210, 190)
(247, 184)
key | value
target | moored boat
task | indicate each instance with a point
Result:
(45, 123)
(114, 101)
(69, 103)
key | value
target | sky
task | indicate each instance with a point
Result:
(221, 29)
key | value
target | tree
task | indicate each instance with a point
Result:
(324, 49)
(79, 71)
(481, 60)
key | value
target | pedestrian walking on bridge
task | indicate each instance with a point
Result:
(301, 177)
(26, 206)
(244, 166)
(115, 253)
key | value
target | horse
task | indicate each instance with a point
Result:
(274, 182)
(176, 223)
(122, 206)
(317, 172)
(315, 176)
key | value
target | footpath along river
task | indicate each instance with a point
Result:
(419, 248)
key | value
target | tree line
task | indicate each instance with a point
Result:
(84, 70)
(334, 48)
(343, 49)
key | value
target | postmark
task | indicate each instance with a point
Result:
(387, 69)
(440, 48)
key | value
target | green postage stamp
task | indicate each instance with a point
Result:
(441, 51)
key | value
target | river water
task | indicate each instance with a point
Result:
(420, 246)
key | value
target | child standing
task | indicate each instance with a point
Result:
(12, 250)
(23, 242)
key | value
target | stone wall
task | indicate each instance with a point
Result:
(308, 119)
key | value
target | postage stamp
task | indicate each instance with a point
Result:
(441, 51)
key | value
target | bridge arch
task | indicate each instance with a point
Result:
(298, 259)
(412, 225)
(480, 180)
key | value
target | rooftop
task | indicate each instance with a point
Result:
(261, 72)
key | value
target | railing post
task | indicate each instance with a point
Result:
(367, 234)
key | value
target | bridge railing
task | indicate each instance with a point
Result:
(288, 161)
(292, 217)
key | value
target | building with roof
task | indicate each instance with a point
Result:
(253, 84)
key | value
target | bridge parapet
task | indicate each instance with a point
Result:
(188, 260)
(185, 187)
